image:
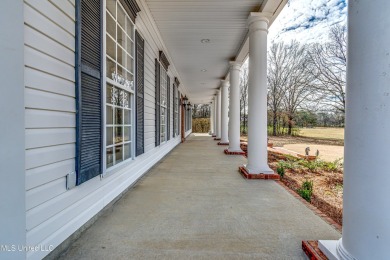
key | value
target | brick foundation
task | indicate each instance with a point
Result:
(226, 151)
(261, 176)
(312, 251)
(220, 143)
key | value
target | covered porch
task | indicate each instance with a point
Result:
(195, 205)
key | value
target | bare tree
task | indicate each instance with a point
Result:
(298, 85)
(278, 76)
(329, 63)
(244, 97)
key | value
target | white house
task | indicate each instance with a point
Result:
(93, 96)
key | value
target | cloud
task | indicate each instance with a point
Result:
(308, 21)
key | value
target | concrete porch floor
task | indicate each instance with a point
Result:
(195, 205)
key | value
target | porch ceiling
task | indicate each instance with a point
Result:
(184, 23)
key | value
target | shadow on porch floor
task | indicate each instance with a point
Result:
(195, 205)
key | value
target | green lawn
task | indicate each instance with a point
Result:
(323, 132)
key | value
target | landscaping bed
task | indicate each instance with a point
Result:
(318, 182)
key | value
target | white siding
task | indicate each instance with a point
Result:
(52, 212)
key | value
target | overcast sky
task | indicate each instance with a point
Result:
(308, 21)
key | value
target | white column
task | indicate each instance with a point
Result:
(257, 93)
(224, 111)
(215, 114)
(234, 107)
(218, 114)
(212, 131)
(366, 208)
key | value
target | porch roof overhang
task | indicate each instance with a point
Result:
(183, 24)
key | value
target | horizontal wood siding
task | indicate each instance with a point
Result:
(52, 212)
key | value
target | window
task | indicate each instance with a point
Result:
(119, 57)
(163, 103)
(161, 99)
(104, 84)
(176, 111)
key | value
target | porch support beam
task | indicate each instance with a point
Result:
(257, 93)
(224, 112)
(366, 215)
(234, 108)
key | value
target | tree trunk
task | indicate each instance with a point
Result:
(275, 121)
(290, 125)
(244, 130)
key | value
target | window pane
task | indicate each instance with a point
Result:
(110, 157)
(109, 136)
(129, 63)
(118, 154)
(110, 68)
(118, 116)
(129, 46)
(130, 79)
(109, 94)
(121, 56)
(125, 99)
(129, 27)
(127, 151)
(110, 25)
(121, 16)
(127, 134)
(110, 47)
(127, 117)
(118, 135)
(111, 6)
(121, 71)
(109, 116)
(121, 37)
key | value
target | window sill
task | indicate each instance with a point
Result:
(116, 168)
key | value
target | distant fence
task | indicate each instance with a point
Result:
(200, 125)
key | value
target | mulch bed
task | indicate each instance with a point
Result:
(327, 194)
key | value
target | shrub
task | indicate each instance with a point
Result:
(280, 171)
(311, 165)
(306, 190)
(332, 166)
(321, 165)
(289, 164)
(200, 125)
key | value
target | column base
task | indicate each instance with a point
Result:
(334, 250)
(312, 251)
(326, 249)
(217, 139)
(263, 176)
(223, 143)
(226, 151)
(213, 135)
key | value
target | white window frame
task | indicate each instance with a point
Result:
(118, 83)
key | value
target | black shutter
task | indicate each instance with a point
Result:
(168, 108)
(157, 98)
(179, 112)
(88, 89)
(139, 70)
